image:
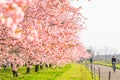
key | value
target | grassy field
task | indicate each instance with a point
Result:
(76, 73)
(68, 72)
(106, 63)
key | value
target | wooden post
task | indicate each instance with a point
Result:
(94, 74)
(92, 71)
(86, 65)
(109, 78)
(99, 73)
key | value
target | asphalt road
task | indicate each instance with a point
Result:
(104, 72)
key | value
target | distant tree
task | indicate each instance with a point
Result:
(91, 51)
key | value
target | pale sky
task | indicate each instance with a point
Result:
(103, 24)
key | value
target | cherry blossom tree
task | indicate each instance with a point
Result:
(40, 30)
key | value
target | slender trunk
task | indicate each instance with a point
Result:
(36, 68)
(28, 70)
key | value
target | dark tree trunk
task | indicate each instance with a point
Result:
(4, 67)
(50, 65)
(46, 65)
(36, 68)
(28, 70)
(41, 67)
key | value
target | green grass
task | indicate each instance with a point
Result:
(76, 73)
(106, 63)
(68, 72)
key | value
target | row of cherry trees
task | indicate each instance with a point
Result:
(40, 30)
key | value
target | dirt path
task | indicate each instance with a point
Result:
(104, 72)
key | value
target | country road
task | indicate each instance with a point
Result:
(104, 72)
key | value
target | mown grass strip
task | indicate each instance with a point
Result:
(106, 63)
(68, 72)
(76, 72)
(44, 74)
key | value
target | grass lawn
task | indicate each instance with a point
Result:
(77, 72)
(106, 63)
(68, 72)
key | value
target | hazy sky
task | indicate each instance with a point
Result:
(103, 24)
